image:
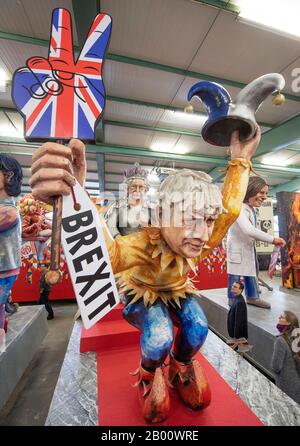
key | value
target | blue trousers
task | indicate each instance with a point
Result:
(156, 325)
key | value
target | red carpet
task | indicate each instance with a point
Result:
(118, 403)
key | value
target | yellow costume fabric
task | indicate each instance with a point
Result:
(145, 266)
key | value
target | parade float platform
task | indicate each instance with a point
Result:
(119, 405)
(116, 344)
(95, 388)
(26, 331)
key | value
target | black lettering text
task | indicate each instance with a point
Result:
(73, 223)
(91, 279)
(98, 293)
(83, 238)
(110, 301)
(88, 257)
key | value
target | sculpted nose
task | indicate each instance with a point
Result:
(201, 232)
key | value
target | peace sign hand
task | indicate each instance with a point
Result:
(61, 99)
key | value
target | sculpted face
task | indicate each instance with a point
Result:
(258, 199)
(136, 191)
(186, 235)
(236, 289)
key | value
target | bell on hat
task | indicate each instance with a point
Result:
(225, 116)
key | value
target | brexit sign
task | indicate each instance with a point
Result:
(87, 257)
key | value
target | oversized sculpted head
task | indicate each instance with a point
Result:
(189, 204)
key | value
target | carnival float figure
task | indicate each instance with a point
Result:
(35, 224)
(10, 232)
(152, 266)
(130, 214)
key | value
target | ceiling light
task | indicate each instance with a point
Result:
(162, 147)
(273, 15)
(180, 149)
(170, 148)
(7, 129)
(3, 80)
(191, 117)
(275, 161)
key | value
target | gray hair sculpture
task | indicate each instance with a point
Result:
(226, 116)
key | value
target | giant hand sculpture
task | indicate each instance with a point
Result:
(58, 97)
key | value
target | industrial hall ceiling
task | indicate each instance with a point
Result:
(158, 50)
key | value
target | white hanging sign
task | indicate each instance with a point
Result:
(87, 258)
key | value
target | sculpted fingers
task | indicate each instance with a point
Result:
(54, 149)
(100, 32)
(78, 149)
(52, 175)
(79, 161)
(46, 190)
(61, 35)
(50, 161)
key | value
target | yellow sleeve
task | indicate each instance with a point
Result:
(233, 192)
(126, 251)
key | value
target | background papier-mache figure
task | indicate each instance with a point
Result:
(35, 224)
(241, 253)
(237, 320)
(10, 232)
(129, 214)
(153, 265)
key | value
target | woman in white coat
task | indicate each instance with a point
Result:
(241, 253)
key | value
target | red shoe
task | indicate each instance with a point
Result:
(5, 325)
(153, 394)
(191, 383)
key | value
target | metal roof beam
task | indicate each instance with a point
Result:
(134, 102)
(292, 149)
(290, 186)
(277, 138)
(84, 13)
(152, 128)
(115, 149)
(217, 173)
(165, 107)
(221, 4)
(142, 63)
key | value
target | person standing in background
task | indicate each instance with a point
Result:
(286, 359)
(241, 252)
(45, 290)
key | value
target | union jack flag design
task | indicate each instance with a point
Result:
(58, 97)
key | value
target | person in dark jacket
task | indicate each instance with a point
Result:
(286, 356)
(45, 290)
(237, 320)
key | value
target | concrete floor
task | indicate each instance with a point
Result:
(29, 403)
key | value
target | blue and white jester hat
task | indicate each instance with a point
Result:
(225, 116)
